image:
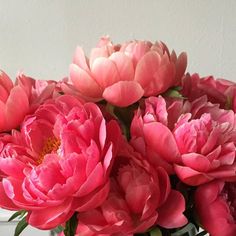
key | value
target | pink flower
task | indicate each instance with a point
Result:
(37, 91)
(83, 230)
(197, 139)
(215, 204)
(14, 103)
(151, 135)
(112, 71)
(218, 91)
(22, 98)
(139, 198)
(71, 149)
(206, 140)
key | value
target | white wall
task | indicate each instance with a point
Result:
(40, 36)
(8, 228)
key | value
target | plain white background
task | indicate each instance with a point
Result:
(39, 37)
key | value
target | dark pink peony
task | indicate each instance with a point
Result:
(59, 162)
(216, 207)
(140, 197)
(218, 91)
(112, 71)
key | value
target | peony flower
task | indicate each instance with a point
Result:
(206, 140)
(218, 91)
(26, 94)
(112, 71)
(215, 204)
(139, 198)
(14, 103)
(83, 230)
(151, 135)
(37, 91)
(71, 149)
(197, 139)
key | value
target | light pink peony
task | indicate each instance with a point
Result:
(113, 71)
(59, 162)
(216, 207)
(14, 103)
(140, 197)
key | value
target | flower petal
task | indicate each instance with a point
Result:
(105, 72)
(124, 65)
(80, 59)
(84, 82)
(170, 215)
(120, 93)
(161, 140)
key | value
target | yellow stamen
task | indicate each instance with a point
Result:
(51, 145)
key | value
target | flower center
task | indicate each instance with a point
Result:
(51, 145)
(229, 195)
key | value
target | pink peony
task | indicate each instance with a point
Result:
(139, 198)
(151, 135)
(216, 204)
(22, 98)
(37, 91)
(218, 91)
(197, 139)
(83, 230)
(206, 140)
(59, 162)
(14, 103)
(112, 71)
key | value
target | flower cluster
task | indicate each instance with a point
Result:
(128, 144)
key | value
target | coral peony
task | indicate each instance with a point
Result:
(59, 162)
(216, 205)
(139, 198)
(37, 91)
(14, 103)
(206, 139)
(197, 139)
(112, 71)
(22, 98)
(151, 135)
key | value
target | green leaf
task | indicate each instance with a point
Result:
(71, 226)
(173, 93)
(20, 226)
(156, 232)
(19, 214)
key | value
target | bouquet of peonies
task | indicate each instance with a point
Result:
(128, 144)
